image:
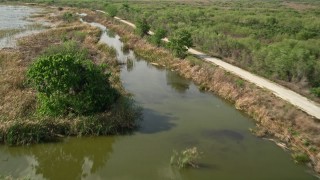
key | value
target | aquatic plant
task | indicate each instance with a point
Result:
(186, 158)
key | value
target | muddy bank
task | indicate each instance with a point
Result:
(274, 117)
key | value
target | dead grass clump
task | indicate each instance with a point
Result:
(298, 6)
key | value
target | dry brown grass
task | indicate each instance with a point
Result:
(298, 6)
(274, 116)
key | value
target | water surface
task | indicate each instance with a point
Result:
(15, 18)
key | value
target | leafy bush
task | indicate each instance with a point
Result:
(186, 158)
(316, 91)
(158, 35)
(68, 83)
(112, 10)
(180, 42)
(142, 27)
(301, 158)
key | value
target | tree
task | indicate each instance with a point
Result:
(180, 42)
(142, 27)
(66, 83)
(158, 35)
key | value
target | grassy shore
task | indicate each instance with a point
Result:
(20, 124)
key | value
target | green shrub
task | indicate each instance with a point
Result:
(68, 83)
(301, 158)
(315, 91)
(142, 27)
(180, 42)
(158, 35)
(112, 10)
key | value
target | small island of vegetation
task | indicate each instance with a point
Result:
(62, 86)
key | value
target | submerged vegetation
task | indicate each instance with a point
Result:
(186, 158)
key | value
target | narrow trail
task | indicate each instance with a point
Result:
(310, 107)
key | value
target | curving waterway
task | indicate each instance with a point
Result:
(176, 116)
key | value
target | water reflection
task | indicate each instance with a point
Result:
(130, 65)
(110, 33)
(181, 85)
(81, 157)
(155, 122)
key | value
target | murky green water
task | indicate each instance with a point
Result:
(176, 116)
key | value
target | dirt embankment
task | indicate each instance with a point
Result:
(274, 116)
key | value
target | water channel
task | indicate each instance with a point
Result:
(176, 116)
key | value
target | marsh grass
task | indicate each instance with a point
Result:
(9, 32)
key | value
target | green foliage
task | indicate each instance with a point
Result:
(69, 17)
(69, 83)
(27, 132)
(142, 27)
(315, 91)
(158, 35)
(112, 10)
(288, 60)
(240, 83)
(126, 7)
(301, 158)
(180, 42)
(186, 158)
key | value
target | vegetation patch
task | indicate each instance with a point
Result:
(186, 158)
(69, 83)
(301, 158)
